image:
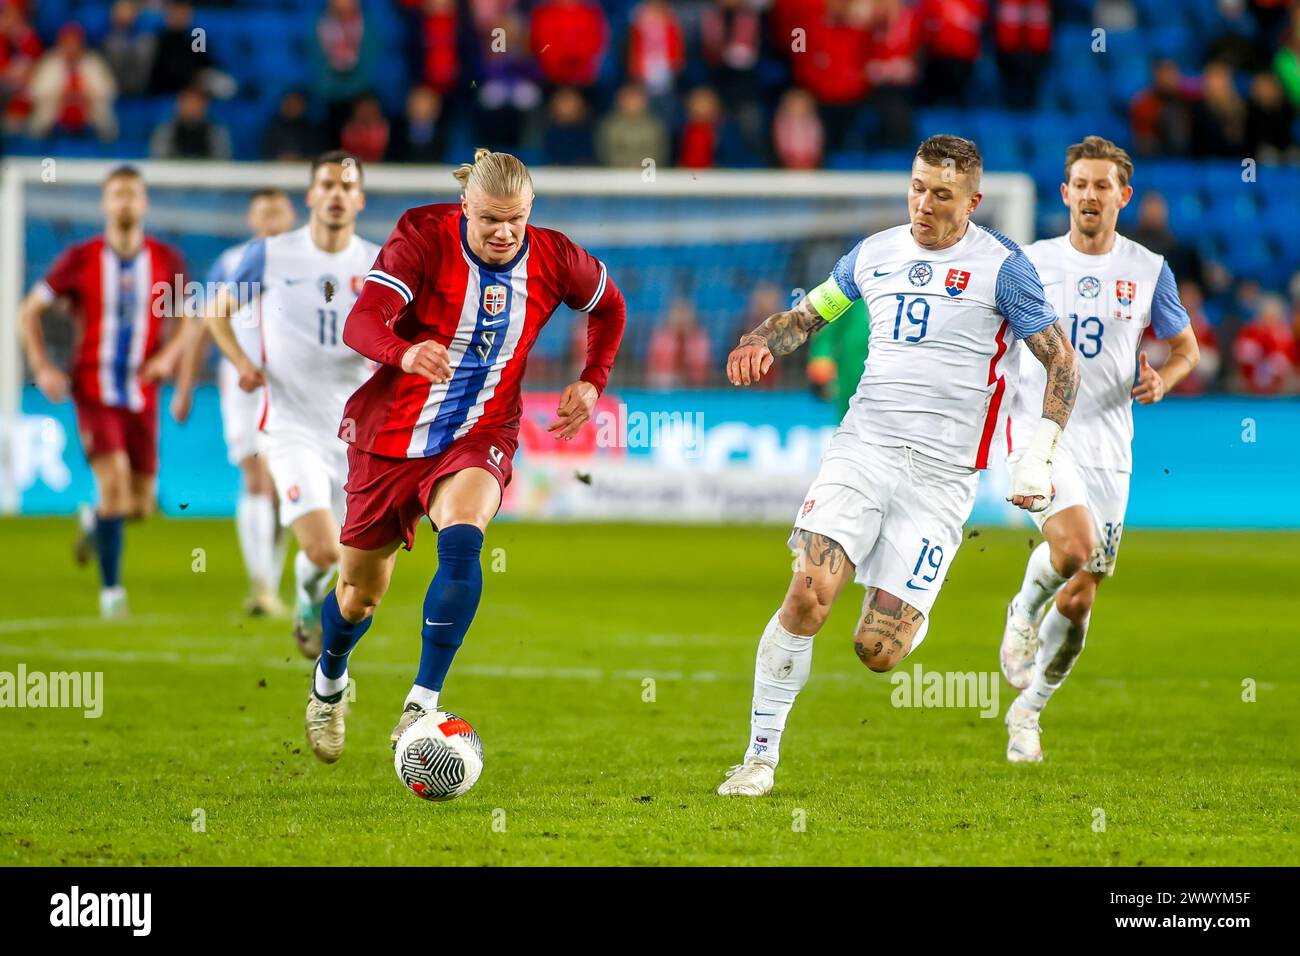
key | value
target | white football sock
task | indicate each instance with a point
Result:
(326, 687)
(1060, 642)
(312, 582)
(781, 669)
(428, 699)
(255, 522)
(1041, 582)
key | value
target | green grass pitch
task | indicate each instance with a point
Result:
(203, 713)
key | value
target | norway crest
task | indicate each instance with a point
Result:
(494, 299)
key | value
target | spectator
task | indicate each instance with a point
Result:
(420, 136)
(509, 93)
(834, 68)
(1269, 119)
(1265, 351)
(292, 135)
(568, 37)
(190, 134)
(366, 133)
(344, 53)
(20, 49)
(950, 31)
(707, 140)
(797, 137)
(128, 49)
(1219, 119)
(569, 139)
(1287, 61)
(1205, 376)
(680, 353)
(1161, 115)
(72, 89)
(180, 62)
(440, 46)
(895, 42)
(631, 134)
(1153, 232)
(731, 37)
(1023, 35)
(656, 53)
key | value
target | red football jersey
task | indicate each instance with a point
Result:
(119, 307)
(487, 316)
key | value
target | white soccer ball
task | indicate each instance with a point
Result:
(439, 757)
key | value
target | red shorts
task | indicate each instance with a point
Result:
(387, 497)
(105, 429)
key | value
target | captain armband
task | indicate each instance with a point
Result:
(829, 301)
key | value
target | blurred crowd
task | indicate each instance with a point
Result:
(697, 84)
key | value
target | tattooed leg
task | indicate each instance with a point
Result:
(821, 569)
(886, 631)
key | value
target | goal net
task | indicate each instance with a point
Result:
(709, 248)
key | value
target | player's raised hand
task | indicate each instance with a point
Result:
(250, 376)
(577, 403)
(1150, 387)
(53, 383)
(428, 359)
(749, 361)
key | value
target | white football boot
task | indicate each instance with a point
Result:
(112, 603)
(1023, 744)
(325, 727)
(753, 778)
(410, 714)
(1019, 648)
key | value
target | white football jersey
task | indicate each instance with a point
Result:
(244, 321)
(1104, 302)
(945, 330)
(306, 295)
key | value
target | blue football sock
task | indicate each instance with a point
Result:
(338, 637)
(450, 602)
(108, 542)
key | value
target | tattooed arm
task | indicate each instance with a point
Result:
(1052, 348)
(778, 334)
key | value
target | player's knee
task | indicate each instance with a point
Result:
(323, 554)
(879, 653)
(1072, 555)
(804, 612)
(356, 603)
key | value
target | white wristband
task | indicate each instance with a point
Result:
(1043, 445)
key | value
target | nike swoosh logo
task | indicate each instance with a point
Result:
(488, 325)
(916, 587)
(877, 274)
(292, 281)
(757, 714)
(438, 623)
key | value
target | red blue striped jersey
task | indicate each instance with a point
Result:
(119, 307)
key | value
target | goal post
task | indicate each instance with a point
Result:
(706, 235)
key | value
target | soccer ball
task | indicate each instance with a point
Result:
(439, 757)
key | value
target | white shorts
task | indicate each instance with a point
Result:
(240, 413)
(897, 514)
(308, 477)
(1103, 491)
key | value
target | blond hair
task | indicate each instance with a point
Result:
(1098, 147)
(498, 174)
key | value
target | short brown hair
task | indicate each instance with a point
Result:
(961, 154)
(124, 171)
(1098, 147)
(339, 156)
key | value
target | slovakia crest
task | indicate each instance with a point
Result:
(494, 299)
(1089, 286)
(1125, 291)
(807, 507)
(357, 283)
(955, 284)
(920, 274)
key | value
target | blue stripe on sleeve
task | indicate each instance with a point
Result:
(1019, 296)
(843, 273)
(252, 267)
(1168, 317)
